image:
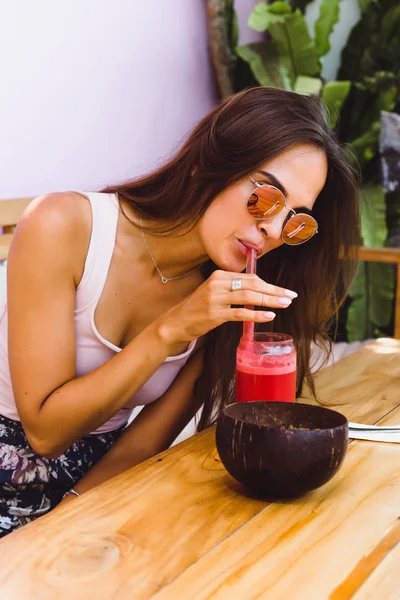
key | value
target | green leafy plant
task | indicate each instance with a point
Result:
(290, 58)
(371, 60)
(372, 291)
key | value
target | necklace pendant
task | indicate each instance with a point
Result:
(164, 279)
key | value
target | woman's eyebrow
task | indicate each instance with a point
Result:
(275, 182)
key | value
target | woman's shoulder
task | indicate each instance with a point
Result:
(60, 210)
(60, 217)
(55, 227)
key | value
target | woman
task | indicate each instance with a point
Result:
(135, 296)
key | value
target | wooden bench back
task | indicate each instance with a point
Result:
(10, 212)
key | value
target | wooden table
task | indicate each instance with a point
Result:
(179, 527)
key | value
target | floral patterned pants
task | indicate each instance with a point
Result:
(30, 484)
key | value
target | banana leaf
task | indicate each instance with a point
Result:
(308, 85)
(328, 17)
(263, 14)
(334, 94)
(371, 308)
(373, 216)
(297, 50)
(265, 63)
(372, 291)
(289, 33)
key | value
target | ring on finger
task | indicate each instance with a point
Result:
(236, 284)
(262, 300)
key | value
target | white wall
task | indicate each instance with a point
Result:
(94, 91)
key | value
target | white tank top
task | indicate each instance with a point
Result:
(92, 350)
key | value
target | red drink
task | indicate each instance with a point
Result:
(252, 386)
(266, 369)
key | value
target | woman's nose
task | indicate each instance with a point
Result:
(273, 227)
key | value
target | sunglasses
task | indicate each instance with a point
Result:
(266, 201)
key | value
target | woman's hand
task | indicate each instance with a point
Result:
(210, 305)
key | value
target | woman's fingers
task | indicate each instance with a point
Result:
(214, 302)
(254, 283)
(258, 299)
(254, 316)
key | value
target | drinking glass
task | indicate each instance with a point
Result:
(266, 368)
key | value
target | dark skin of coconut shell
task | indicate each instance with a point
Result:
(281, 449)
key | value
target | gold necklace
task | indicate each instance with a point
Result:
(163, 278)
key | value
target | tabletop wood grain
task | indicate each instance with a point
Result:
(179, 527)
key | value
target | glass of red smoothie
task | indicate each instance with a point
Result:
(266, 368)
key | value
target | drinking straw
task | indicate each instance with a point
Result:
(248, 328)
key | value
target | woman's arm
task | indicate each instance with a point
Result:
(153, 430)
(45, 265)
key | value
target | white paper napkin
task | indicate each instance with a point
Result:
(375, 433)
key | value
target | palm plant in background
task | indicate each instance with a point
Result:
(367, 89)
(290, 58)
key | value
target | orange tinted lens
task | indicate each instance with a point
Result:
(265, 202)
(299, 229)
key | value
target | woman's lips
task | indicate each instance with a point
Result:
(245, 246)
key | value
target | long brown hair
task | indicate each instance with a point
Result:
(233, 140)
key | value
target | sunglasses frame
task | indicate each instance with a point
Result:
(289, 216)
